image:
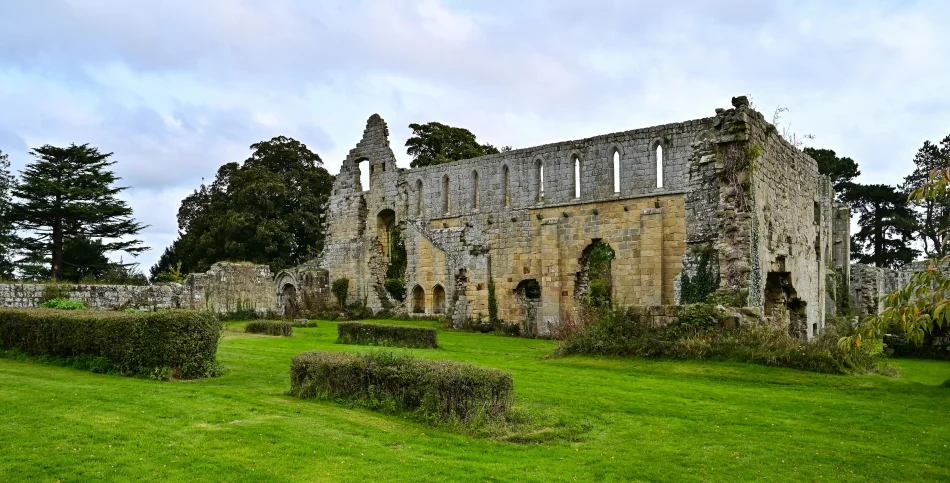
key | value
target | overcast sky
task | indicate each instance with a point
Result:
(177, 88)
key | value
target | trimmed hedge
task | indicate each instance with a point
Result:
(269, 327)
(362, 333)
(180, 344)
(442, 390)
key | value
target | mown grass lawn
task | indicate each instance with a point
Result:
(644, 420)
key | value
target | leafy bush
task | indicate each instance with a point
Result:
(180, 344)
(269, 327)
(396, 288)
(697, 334)
(363, 333)
(431, 390)
(305, 323)
(63, 304)
(340, 288)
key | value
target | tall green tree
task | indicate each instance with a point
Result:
(268, 210)
(841, 170)
(67, 194)
(931, 213)
(435, 143)
(886, 225)
(7, 236)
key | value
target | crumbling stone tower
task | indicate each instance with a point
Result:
(717, 204)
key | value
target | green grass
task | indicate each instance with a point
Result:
(644, 420)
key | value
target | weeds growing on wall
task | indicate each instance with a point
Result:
(63, 304)
(697, 334)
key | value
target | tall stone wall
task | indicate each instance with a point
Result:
(758, 207)
(514, 219)
(226, 287)
(725, 194)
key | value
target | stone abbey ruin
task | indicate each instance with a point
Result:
(673, 212)
(722, 199)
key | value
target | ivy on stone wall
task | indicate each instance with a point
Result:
(492, 301)
(695, 289)
(396, 271)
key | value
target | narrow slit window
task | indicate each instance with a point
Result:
(475, 190)
(616, 171)
(659, 166)
(540, 181)
(577, 177)
(446, 197)
(419, 198)
(507, 187)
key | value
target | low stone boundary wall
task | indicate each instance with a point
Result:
(225, 288)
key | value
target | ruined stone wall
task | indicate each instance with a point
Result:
(226, 287)
(870, 283)
(735, 200)
(99, 297)
(231, 287)
(493, 218)
(758, 206)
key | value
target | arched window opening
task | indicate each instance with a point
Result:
(659, 165)
(475, 190)
(507, 187)
(362, 175)
(446, 196)
(616, 171)
(540, 180)
(438, 299)
(420, 196)
(577, 177)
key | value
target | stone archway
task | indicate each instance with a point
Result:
(288, 300)
(528, 294)
(438, 300)
(593, 285)
(418, 300)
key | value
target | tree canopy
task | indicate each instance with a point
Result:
(67, 206)
(268, 210)
(886, 225)
(922, 306)
(841, 170)
(435, 143)
(931, 213)
(7, 238)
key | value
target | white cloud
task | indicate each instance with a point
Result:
(176, 89)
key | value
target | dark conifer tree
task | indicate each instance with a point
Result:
(67, 195)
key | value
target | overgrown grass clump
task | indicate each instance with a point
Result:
(171, 344)
(431, 390)
(362, 333)
(696, 334)
(270, 327)
(63, 304)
